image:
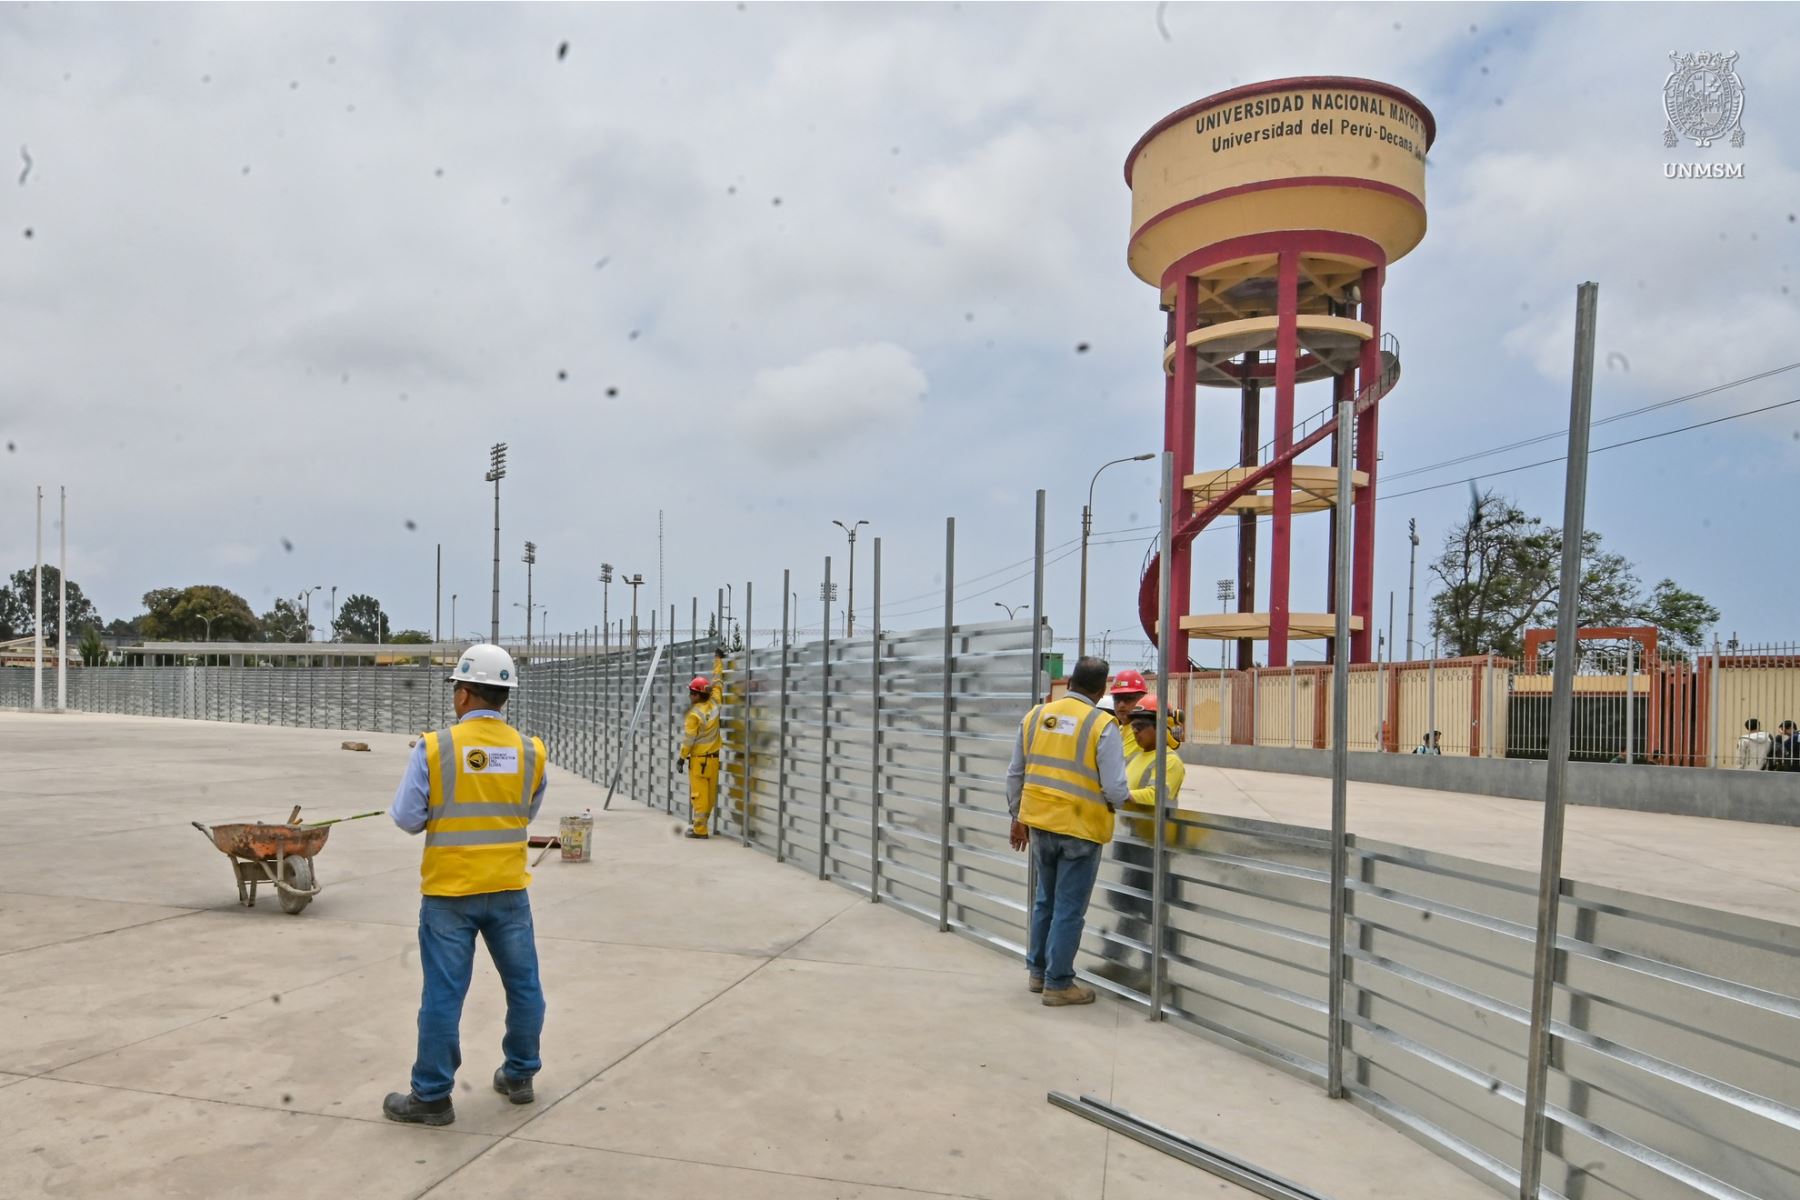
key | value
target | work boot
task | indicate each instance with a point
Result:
(517, 1090)
(1034, 983)
(698, 833)
(410, 1110)
(1073, 994)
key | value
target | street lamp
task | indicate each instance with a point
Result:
(606, 576)
(334, 612)
(209, 618)
(850, 602)
(1412, 563)
(306, 610)
(1010, 608)
(634, 582)
(1227, 593)
(496, 472)
(1087, 525)
(529, 558)
(453, 634)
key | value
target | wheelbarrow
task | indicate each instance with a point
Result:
(279, 856)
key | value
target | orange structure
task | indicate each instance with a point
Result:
(1266, 217)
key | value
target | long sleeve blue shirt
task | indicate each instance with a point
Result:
(412, 803)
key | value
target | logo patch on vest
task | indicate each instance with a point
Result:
(492, 760)
(1058, 724)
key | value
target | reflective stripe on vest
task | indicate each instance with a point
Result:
(705, 737)
(1086, 767)
(483, 775)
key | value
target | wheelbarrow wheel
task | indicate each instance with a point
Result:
(298, 873)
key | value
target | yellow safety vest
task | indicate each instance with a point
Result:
(483, 775)
(1140, 777)
(1062, 792)
(700, 729)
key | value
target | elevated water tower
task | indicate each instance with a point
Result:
(1266, 217)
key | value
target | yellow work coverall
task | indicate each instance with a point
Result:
(700, 742)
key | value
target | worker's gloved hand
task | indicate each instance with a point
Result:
(680, 765)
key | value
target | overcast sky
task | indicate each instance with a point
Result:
(276, 276)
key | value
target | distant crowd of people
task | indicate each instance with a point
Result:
(1759, 751)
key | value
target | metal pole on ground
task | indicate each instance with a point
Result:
(37, 613)
(745, 694)
(1159, 892)
(875, 729)
(1543, 979)
(1431, 698)
(1038, 687)
(781, 730)
(1340, 759)
(825, 720)
(949, 681)
(62, 604)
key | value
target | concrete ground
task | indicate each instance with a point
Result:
(719, 1024)
(1731, 865)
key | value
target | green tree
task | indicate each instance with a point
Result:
(17, 604)
(411, 637)
(118, 627)
(286, 622)
(201, 612)
(360, 619)
(1501, 571)
(93, 650)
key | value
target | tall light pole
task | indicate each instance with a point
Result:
(62, 602)
(1412, 563)
(634, 582)
(606, 577)
(496, 472)
(828, 593)
(437, 611)
(529, 558)
(453, 634)
(1010, 608)
(37, 613)
(1087, 527)
(850, 610)
(1227, 593)
(334, 612)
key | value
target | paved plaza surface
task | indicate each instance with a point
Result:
(1736, 866)
(719, 1023)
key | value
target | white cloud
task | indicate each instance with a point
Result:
(833, 396)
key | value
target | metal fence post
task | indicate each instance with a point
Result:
(1543, 979)
(1293, 707)
(1038, 688)
(1630, 699)
(1431, 697)
(874, 734)
(949, 683)
(1159, 892)
(746, 693)
(825, 720)
(1340, 757)
(781, 730)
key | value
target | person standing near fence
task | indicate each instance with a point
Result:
(700, 742)
(472, 789)
(1066, 779)
(1784, 752)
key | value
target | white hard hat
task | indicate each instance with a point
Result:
(1105, 704)
(486, 665)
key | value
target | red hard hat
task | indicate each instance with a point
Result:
(700, 684)
(1129, 683)
(1145, 708)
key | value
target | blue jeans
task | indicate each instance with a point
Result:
(447, 929)
(1066, 867)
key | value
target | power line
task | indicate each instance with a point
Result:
(1545, 437)
(1544, 462)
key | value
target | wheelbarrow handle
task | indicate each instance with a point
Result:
(204, 831)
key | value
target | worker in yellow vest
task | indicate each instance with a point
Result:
(1066, 779)
(700, 744)
(472, 789)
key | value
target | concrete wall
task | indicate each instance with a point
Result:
(1769, 797)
